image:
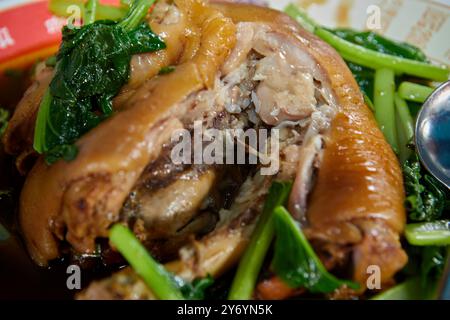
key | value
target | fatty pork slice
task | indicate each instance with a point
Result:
(348, 190)
(78, 201)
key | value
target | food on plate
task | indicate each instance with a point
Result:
(95, 136)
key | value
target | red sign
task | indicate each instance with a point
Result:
(29, 32)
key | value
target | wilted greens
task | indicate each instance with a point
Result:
(364, 77)
(104, 11)
(196, 289)
(162, 283)
(295, 261)
(252, 260)
(376, 42)
(4, 116)
(436, 233)
(166, 70)
(92, 65)
(425, 196)
(157, 278)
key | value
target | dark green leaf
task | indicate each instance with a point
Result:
(4, 116)
(166, 70)
(13, 73)
(425, 196)
(370, 40)
(414, 108)
(51, 61)
(92, 65)
(295, 261)
(142, 39)
(364, 77)
(160, 281)
(196, 289)
(433, 263)
(6, 194)
(68, 152)
(426, 264)
(373, 41)
(252, 260)
(408, 290)
(428, 233)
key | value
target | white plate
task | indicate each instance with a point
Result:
(426, 24)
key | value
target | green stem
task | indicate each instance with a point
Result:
(375, 60)
(104, 12)
(4, 118)
(41, 123)
(155, 276)
(414, 92)
(368, 102)
(4, 234)
(90, 11)
(405, 127)
(126, 2)
(301, 17)
(384, 105)
(252, 260)
(436, 233)
(250, 264)
(137, 13)
(409, 290)
(293, 252)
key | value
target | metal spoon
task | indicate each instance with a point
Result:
(433, 134)
(433, 145)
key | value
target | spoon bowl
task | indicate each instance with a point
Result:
(432, 134)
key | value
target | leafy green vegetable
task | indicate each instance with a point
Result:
(196, 289)
(425, 196)
(405, 128)
(414, 108)
(144, 40)
(414, 92)
(126, 2)
(251, 262)
(166, 70)
(427, 264)
(51, 61)
(369, 102)
(90, 11)
(61, 8)
(373, 59)
(433, 263)
(435, 233)
(4, 116)
(92, 65)
(373, 41)
(4, 234)
(411, 289)
(383, 101)
(13, 73)
(427, 246)
(295, 261)
(6, 194)
(364, 77)
(162, 283)
(423, 284)
(67, 152)
(158, 279)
